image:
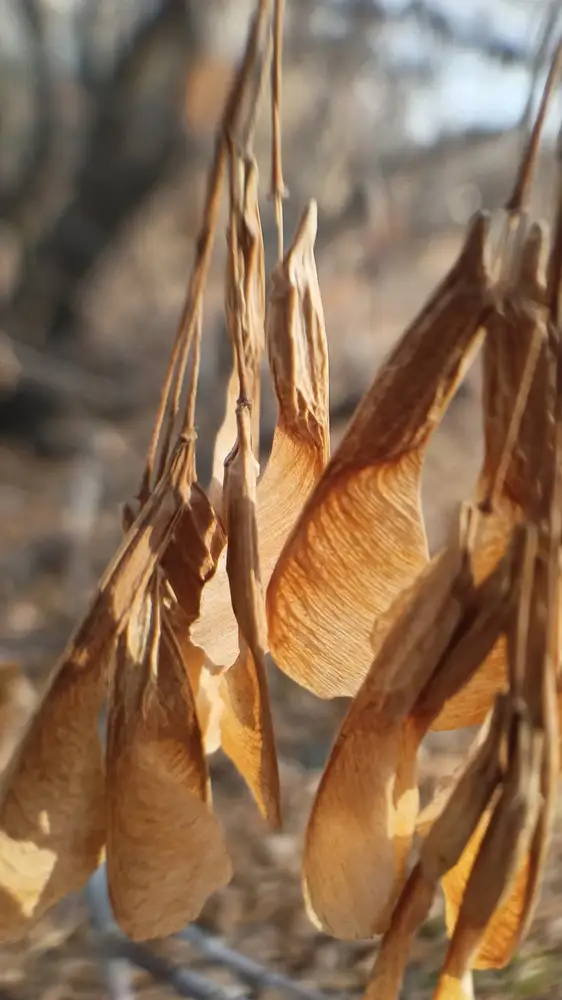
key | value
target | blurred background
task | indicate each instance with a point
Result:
(400, 117)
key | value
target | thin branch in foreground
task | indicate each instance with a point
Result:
(115, 949)
(253, 973)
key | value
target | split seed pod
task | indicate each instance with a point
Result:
(245, 311)
(360, 540)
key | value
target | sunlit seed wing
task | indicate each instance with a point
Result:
(298, 358)
(165, 850)
(246, 724)
(52, 812)
(517, 327)
(361, 827)
(360, 539)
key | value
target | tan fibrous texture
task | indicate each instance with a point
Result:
(245, 290)
(52, 811)
(165, 850)
(518, 325)
(449, 830)
(191, 558)
(352, 862)
(538, 655)
(298, 358)
(361, 827)
(360, 539)
(18, 701)
(246, 724)
(503, 848)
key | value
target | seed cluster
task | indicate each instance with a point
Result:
(322, 561)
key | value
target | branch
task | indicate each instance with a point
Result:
(115, 946)
(253, 973)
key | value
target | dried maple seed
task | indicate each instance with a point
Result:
(533, 651)
(448, 835)
(52, 812)
(165, 851)
(360, 539)
(363, 818)
(521, 347)
(298, 358)
(246, 725)
(53, 807)
(245, 293)
(503, 847)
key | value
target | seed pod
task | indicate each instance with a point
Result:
(165, 851)
(245, 289)
(448, 836)
(246, 724)
(52, 813)
(354, 869)
(298, 358)
(360, 539)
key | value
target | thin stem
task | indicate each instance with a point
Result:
(546, 30)
(171, 393)
(522, 188)
(238, 304)
(498, 480)
(278, 190)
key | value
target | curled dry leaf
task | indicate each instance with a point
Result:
(360, 539)
(363, 818)
(298, 357)
(165, 850)
(246, 724)
(52, 812)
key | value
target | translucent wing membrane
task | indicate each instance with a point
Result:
(165, 851)
(360, 539)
